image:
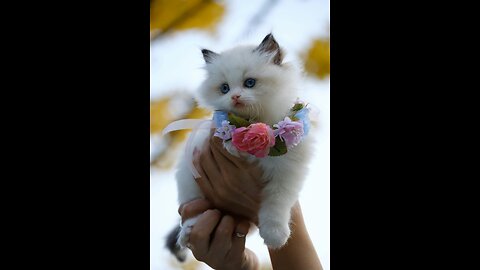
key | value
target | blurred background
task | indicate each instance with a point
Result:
(178, 30)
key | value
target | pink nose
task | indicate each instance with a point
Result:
(235, 97)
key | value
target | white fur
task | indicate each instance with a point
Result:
(269, 101)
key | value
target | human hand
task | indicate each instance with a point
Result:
(231, 184)
(216, 239)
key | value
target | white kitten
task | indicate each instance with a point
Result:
(268, 101)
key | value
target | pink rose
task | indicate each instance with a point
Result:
(255, 139)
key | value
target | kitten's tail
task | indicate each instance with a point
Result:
(171, 244)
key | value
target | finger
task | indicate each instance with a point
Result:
(194, 208)
(229, 191)
(256, 172)
(227, 165)
(212, 172)
(242, 228)
(217, 145)
(207, 160)
(196, 162)
(201, 231)
(253, 168)
(238, 186)
(238, 241)
(222, 239)
(203, 181)
(238, 161)
(232, 163)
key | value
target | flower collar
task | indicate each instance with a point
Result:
(260, 139)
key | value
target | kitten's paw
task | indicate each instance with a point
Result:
(184, 235)
(274, 234)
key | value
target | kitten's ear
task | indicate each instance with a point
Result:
(269, 45)
(209, 55)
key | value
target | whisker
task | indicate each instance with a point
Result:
(253, 115)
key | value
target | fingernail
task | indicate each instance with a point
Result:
(242, 229)
(213, 211)
(209, 211)
(239, 235)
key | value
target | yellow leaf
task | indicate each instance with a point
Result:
(173, 15)
(160, 117)
(317, 60)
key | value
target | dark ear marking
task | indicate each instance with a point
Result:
(269, 45)
(209, 55)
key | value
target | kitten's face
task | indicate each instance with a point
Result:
(249, 81)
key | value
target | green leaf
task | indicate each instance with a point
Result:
(293, 118)
(297, 107)
(280, 148)
(237, 121)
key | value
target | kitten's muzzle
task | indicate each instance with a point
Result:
(236, 101)
(236, 97)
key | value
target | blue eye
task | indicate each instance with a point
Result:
(249, 83)
(224, 88)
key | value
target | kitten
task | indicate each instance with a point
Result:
(254, 83)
